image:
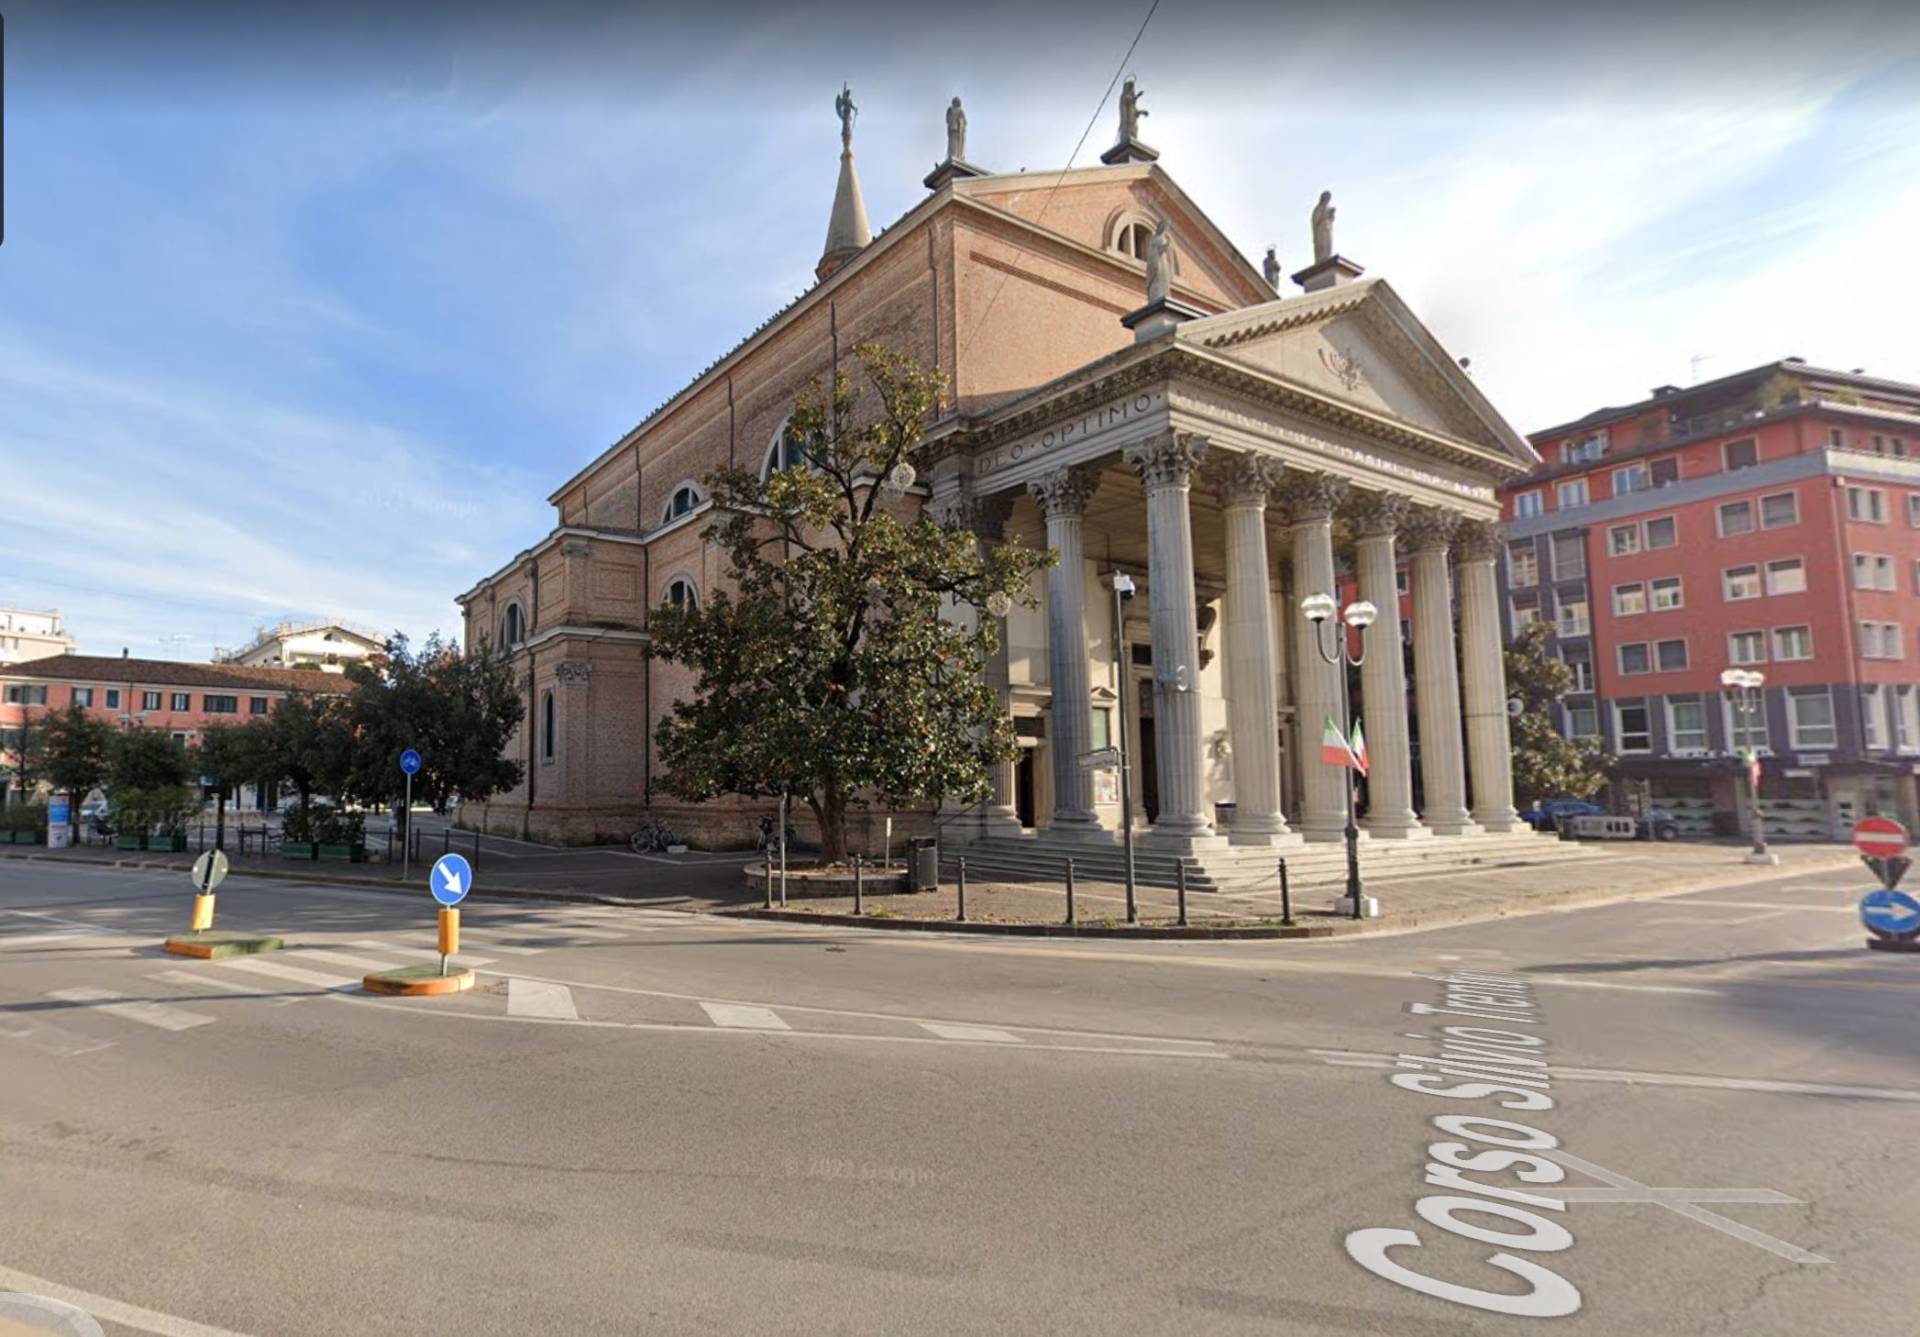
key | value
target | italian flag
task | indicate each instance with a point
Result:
(1336, 750)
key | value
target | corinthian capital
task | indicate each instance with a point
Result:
(1428, 528)
(1478, 541)
(1167, 460)
(1064, 491)
(1243, 479)
(1311, 496)
(1376, 514)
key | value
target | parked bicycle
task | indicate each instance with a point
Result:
(770, 833)
(653, 838)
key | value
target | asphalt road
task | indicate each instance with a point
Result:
(642, 1122)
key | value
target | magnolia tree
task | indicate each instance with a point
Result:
(1546, 764)
(846, 662)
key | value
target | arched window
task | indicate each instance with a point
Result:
(546, 726)
(685, 498)
(513, 626)
(682, 594)
(1133, 240)
(784, 453)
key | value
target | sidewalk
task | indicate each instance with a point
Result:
(1407, 902)
(715, 883)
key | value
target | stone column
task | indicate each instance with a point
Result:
(1242, 483)
(1063, 496)
(1383, 672)
(1310, 500)
(1484, 679)
(1436, 680)
(1165, 464)
(986, 517)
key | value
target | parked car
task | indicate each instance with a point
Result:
(1547, 815)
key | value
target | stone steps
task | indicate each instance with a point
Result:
(1318, 864)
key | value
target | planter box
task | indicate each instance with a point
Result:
(6, 837)
(129, 842)
(342, 854)
(174, 844)
(298, 849)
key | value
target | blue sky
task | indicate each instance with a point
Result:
(306, 315)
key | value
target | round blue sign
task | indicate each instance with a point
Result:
(410, 762)
(450, 880)
(1891, 914)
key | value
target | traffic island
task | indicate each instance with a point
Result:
(214, 943)
(421, 981)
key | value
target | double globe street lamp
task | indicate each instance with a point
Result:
(1336, 647)
(1743, 687)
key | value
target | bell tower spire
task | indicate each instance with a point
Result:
(848, 231)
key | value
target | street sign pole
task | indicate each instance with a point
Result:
(409, 764)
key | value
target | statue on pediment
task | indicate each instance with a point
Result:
(1323, 228)
(956, 133)
(1130, 111)
(1270, 268)
(1160, 262)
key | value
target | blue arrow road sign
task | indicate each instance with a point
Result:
(451, 879)
(410, 762)
(1891, 914)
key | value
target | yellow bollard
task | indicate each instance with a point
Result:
(449, 935)
(203, 912)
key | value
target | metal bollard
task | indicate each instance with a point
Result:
(961, 887)
(1072, 917)
(1286, 897)
(1180, 882)
(859, 898)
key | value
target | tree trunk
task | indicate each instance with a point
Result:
(830, 810)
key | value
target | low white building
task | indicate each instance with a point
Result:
(26, 633)
(329, 646)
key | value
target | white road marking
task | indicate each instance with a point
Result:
(112, 1311)
(328, 957)
(1682, 1202)
(493, 944)
(536, 998)
(51, 1039)
(1778, 909)
(311, 978)
(186, 979)
(30, 939)
(949, 1031)
(161, 1015)
(1344, 1058)
(419, 953)
(745, 1018)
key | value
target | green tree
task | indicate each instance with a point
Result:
(457, 710)
(231, 755)
(832, 669)
(147, 777)
(78, 753)
(1546, 764)
(26, 746)
(308, 744)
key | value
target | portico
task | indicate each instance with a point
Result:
(1228, 490)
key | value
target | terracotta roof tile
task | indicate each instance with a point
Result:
(168, 673)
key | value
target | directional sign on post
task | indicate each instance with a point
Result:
(1891, 914)
(451, 879)
(1880, 838)
(410, 762)
(209, 871)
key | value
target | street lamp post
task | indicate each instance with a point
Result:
(1337, 649)
(1743, 687)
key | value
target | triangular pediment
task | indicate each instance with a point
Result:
(1359, 343)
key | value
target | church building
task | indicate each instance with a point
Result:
(1128, 390)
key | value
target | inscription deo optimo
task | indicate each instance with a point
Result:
(1074, 429)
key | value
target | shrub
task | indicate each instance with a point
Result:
(164, 809)
(23, 817)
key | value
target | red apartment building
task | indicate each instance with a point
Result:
(1768, 520)
(181, 699)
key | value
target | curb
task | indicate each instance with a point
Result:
(422, 981)
(1037, 930)
(212, 946)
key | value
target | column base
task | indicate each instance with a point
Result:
(1162, 841)
(1501, 823)
(1325, 835)
(1276, 836)
(1448, 827)
(1398, 829)
(999, 822)
(1085, 831)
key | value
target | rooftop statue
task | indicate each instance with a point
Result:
(1323, 228)
(956, 133)
(1270, 268)
(844, 108)
(1160, 262)
(1130, 111)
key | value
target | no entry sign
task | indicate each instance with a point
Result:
(1880, 838)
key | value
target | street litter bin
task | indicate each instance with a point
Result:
(926, 863)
